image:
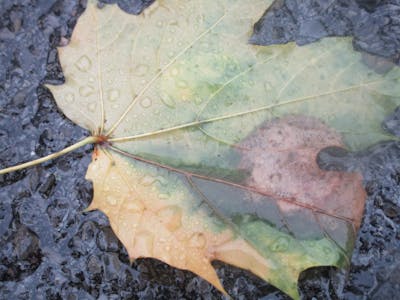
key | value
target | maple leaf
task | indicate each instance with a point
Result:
(206, 145)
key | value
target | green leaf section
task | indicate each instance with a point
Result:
(238, 88)
(290, 255)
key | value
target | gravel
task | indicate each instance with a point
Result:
(51, 249)
(374, 24)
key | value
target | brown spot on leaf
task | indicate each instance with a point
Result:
(281, 155)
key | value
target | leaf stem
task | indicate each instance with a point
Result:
(86, 141)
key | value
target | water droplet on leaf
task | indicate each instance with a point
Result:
(69, 98)
(167, 100)
(91, 107)
(111, 200)
(146, 102)
(84, 63)
(141, 70)
(113, 95)
(86, 91)
(280, 245)
(197, 240)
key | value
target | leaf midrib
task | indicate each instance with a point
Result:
(239, 114)
(236, 185)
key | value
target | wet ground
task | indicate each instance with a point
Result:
(374, 24)
(50, 249)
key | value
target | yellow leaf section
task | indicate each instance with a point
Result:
(156, 214)
(149, 224)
